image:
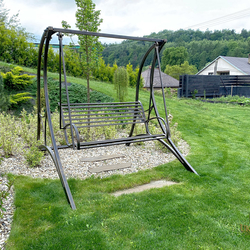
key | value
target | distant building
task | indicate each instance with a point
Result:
(226, 65)
(167, 81)
(55, 47)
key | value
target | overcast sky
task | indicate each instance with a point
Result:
(134, 17)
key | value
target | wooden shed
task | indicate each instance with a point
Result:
(168, 81)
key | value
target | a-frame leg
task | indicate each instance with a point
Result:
(178, 155)
(61, 175)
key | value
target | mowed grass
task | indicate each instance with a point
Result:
(201, 212)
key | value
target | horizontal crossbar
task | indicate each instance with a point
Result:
(88, 33)
(134, 139)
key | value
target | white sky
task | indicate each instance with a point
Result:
(131, 17)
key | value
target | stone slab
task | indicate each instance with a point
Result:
(102, 158)
(153, 184)
(109, 167)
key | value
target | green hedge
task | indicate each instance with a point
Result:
(77, 94)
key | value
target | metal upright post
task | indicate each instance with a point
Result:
(55, 153)
(66, 88)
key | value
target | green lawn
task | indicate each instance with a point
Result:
(202, 212)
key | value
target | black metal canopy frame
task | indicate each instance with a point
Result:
(86, 115)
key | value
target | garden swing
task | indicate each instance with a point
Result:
(74, 116)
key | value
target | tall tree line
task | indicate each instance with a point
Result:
(202, 46)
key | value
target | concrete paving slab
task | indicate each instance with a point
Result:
(110, 167)
(153, 184)
(102, 158)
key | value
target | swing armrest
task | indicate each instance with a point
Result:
(77, 133)
(165, 128)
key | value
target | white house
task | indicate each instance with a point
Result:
(226, 65)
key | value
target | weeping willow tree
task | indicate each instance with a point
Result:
(121, 81)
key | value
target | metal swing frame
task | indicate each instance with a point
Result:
(128, 112)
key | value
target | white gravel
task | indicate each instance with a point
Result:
(6, 220)
(141, 157)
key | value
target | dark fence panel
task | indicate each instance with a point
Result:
(199, 85)
(213, 85)
(235, 80)
(235, 90)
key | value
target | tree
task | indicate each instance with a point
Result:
(174, 56)
(14, 45)
(177, 70)
(87, 18)
(3, 13)
(121, 81)
(4, 17)
(248, 43)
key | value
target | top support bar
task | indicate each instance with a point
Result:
(83, 32)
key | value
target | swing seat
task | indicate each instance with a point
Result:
(87, 115)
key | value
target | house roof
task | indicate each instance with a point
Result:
(168, 81)
(240, 63)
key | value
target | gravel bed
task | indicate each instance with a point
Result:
(141, 157)
(5, 221)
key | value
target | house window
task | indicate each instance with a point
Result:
(210, 73)
(223, 73)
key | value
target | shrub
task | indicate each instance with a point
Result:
(33, 156)
(19, 133)
(4, 98)
(5, 69)
(9, 138)
(77, 94)
(14, 80)
(133, 75)
(16, 99)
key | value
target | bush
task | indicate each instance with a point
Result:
(77, 94)
(9, 136)
(16, 99)
(14, 47)
(33, 156)
(14, 80)
(19, 133)
(5, 69)
(4, 98)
